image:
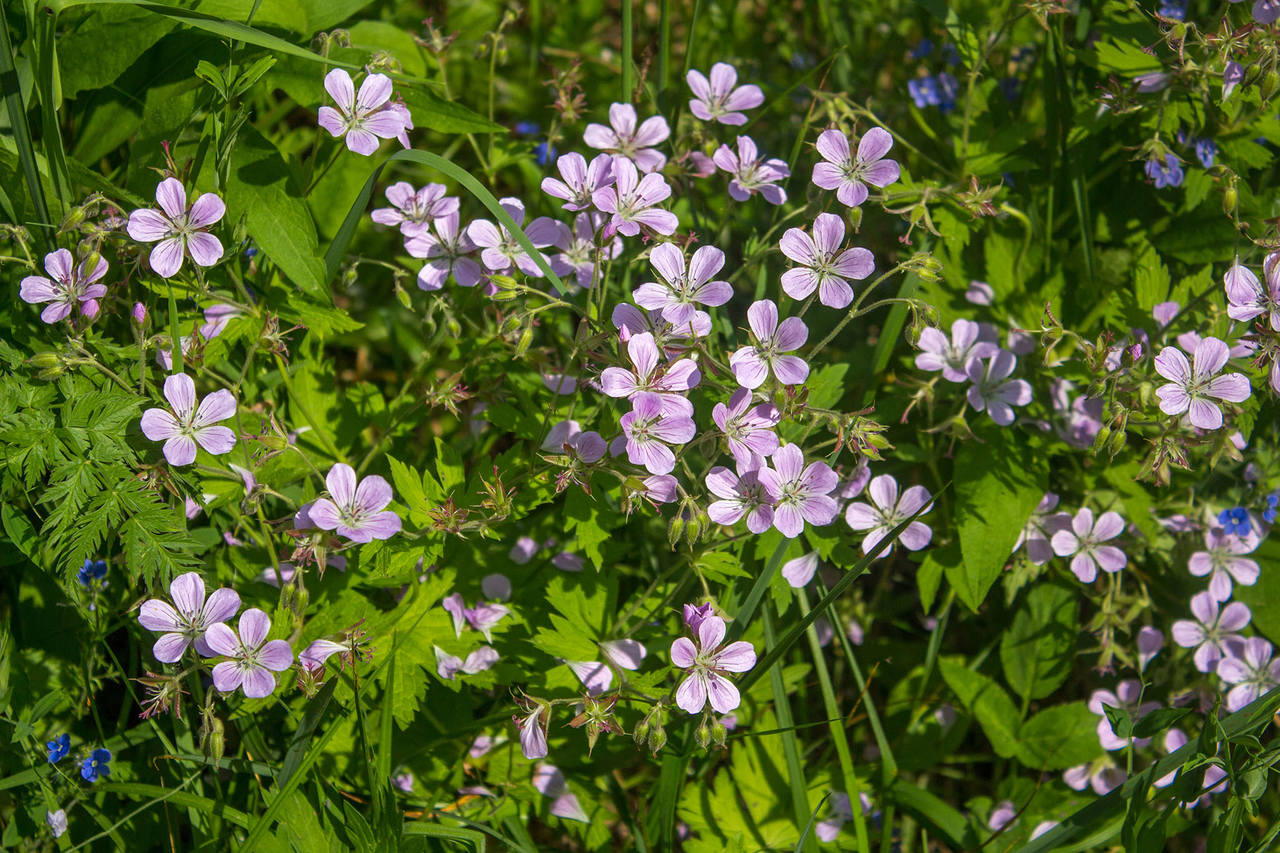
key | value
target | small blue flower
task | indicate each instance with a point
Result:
(1168, 174)
(948, 86)
(528, 128)
(544, 153)
(922, 49)
(1176, 9)
(1206, 150)
(58, 748)
(1273, 508)
(923, 91)
(1235, 521)
(98, 764)
(251, 252)
(93, 571)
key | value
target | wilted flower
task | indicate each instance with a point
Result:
(187, 620)
(823, 267)
(253, 656)
(886, 510)
(628, 141)
(533, 730)
(707, 663)
(355, 508)
(1212, 633)
(365, 117)
(720, 98)
(849, 175)
(190, 424)
(180, 230)
(67, 286)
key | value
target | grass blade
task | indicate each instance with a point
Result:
(790, 743)
(626, 51)
(22, 134)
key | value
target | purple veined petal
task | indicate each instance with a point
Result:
(187, 591)
(1173, 365)
(221, 605)
(1187, 634)
(166, 258)
(873, 538)
(1108, 526)
(218, 406)
(712, 294)
(1084, 568)
(788, 520)
(180, 450)
(1082, 522)
(221, 640)
(1204, 414)
(727, 512)
(799, 282)
(1245, 572)
(36, 289)
(158, 425)
(227, 676)
(1235, 616)
(1220, 586)
(883, 491)
(375, 90)
(723, 483)
(723, 78)
(722, 694)
(276, 655)
(819, 479)
(652, 131)
(833, 146)
(653, 456)
(746, 97)
(373, 494)
(339, 86)
(384, 124)
(600, 136)
(799, 246)
(566, 806)
(1110, 558)
(625, 654)
(788, 462)
(860, 516)
(361, 141)
(1232, 387)
(875, 143)
(433, 274)
(701, 89)
(617, 382)
(1174, 399)
(856, 263)
(1210, 357)
(204, 248)
(703, 265)
(791, 335)
(1064, 543)
(169, 648)
(798, 572)
(148, 226)
(691, 695)
(254, 626)
(382, 525)
(1200, 563)
(329, 119)
(58, 264)
(711, 631)
(819, 510)
(324, 514)
(749, 369)
(157, 615)
(827, 176)
(206, 210)
(341, 482)
(596, 677)
(762, 316)
(172, 198)
(683, 653)
(882, 173)
(851, 193)
(916, 536)
(727, 161)
(257, 683)
(215, 439)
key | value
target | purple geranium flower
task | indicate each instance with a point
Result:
(1083, 543)
(483, 617)
(630, 201)
(1039, 529)
(681, 289)
(648, 429)
(499, 250)
(1164, 174)
(448, 666)
(993, 391)
(581, 254)
(630, 320)
(1126, 698)
(849, 175)
(1193, 386)
(1101, 775)
(550, 782)
(580, 179)
(1213, 632)
(645, 376)
(1080, 418)
(533, 731)
(253, 656)
(752, 364)
(797, 572)
(355, 509)
(67, 286)
(216, 318)
(799, 493)
(720, 98)
(751, 173)
(1232, 76)
(952, 357)
(1252, 671)
(180, 230)
(1224, 561)
(1150, 642)
(886, 510)
(707, 663)
(190, 424)
(740, 494)
(446, 253)
(1246, 297)
(365, 117)
(186, 620)
(625, 139)
(748, 430)
(413, 210)
(823, 267)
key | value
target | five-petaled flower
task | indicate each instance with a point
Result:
(752, 365)
(355, 508)
(498, 247)
(993, 391)
(644, 376)
(747, 429)
(721, 98)
(952, 356)
(1252, 672)
(647, 430)
(180, 230)
(886, 510)
(750, 173)
(365, 117)
(580, 179)
(799, 493)
(707, 663)
(1082, 541)
(739, 495)
(446, 254)
(412, 211)
(69, 284)
(823, 266)
(1213, 631)
(58, 748)
(252, 656)
(96, 766)
(190, 424)
(848, 174)
(1194, 386)
(635, 144)
(188, 619)
(681, 289)
(1224, 561)
(630, 201)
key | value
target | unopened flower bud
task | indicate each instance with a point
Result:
(657, 739)
(139, 313)
(214, 737)
(526, 340)
(1270, 82)
(719, 733)
(703, 735)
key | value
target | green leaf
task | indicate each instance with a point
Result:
(1059, 737)
(276, 215)
(1121, 722)
(929, 575)
(987, 702)
(1151, 278)
(998, 485)
(1158, 720)
(1038, 648)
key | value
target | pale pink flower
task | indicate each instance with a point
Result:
(992, 390)
(799, 493)
(752, 173)
(1083, 543)
(1193, 386)
(740, 495)
(952, 356)
(707, 663)
(355, 509)
(499, 249)
(550, 782)
(180, 230)
(823, 266)
(192, 421)
(186, 620)
(581, 252)
(772, 340)
(253, 657)
(365, 117)
(720, 98)
(596, 677)
(446, 254)
(533, 731)
(747, 429)
(646, 376)
(67, 287)
(1253, 672)
(448, 666)
(1101, 775)
(798, 571)
(216, 318)
(979, 293)
(1150, 642)
(631, 201)
(483, 617)
(681, 289)
(631, 142)
(412, 211)
(648, 429)
(1224, 561)
(887, 509)
(630, 320)
(1126, 698)
(580, 179)
(625, 654)
(1213, 632)
(1039, 529)
(848, 174)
